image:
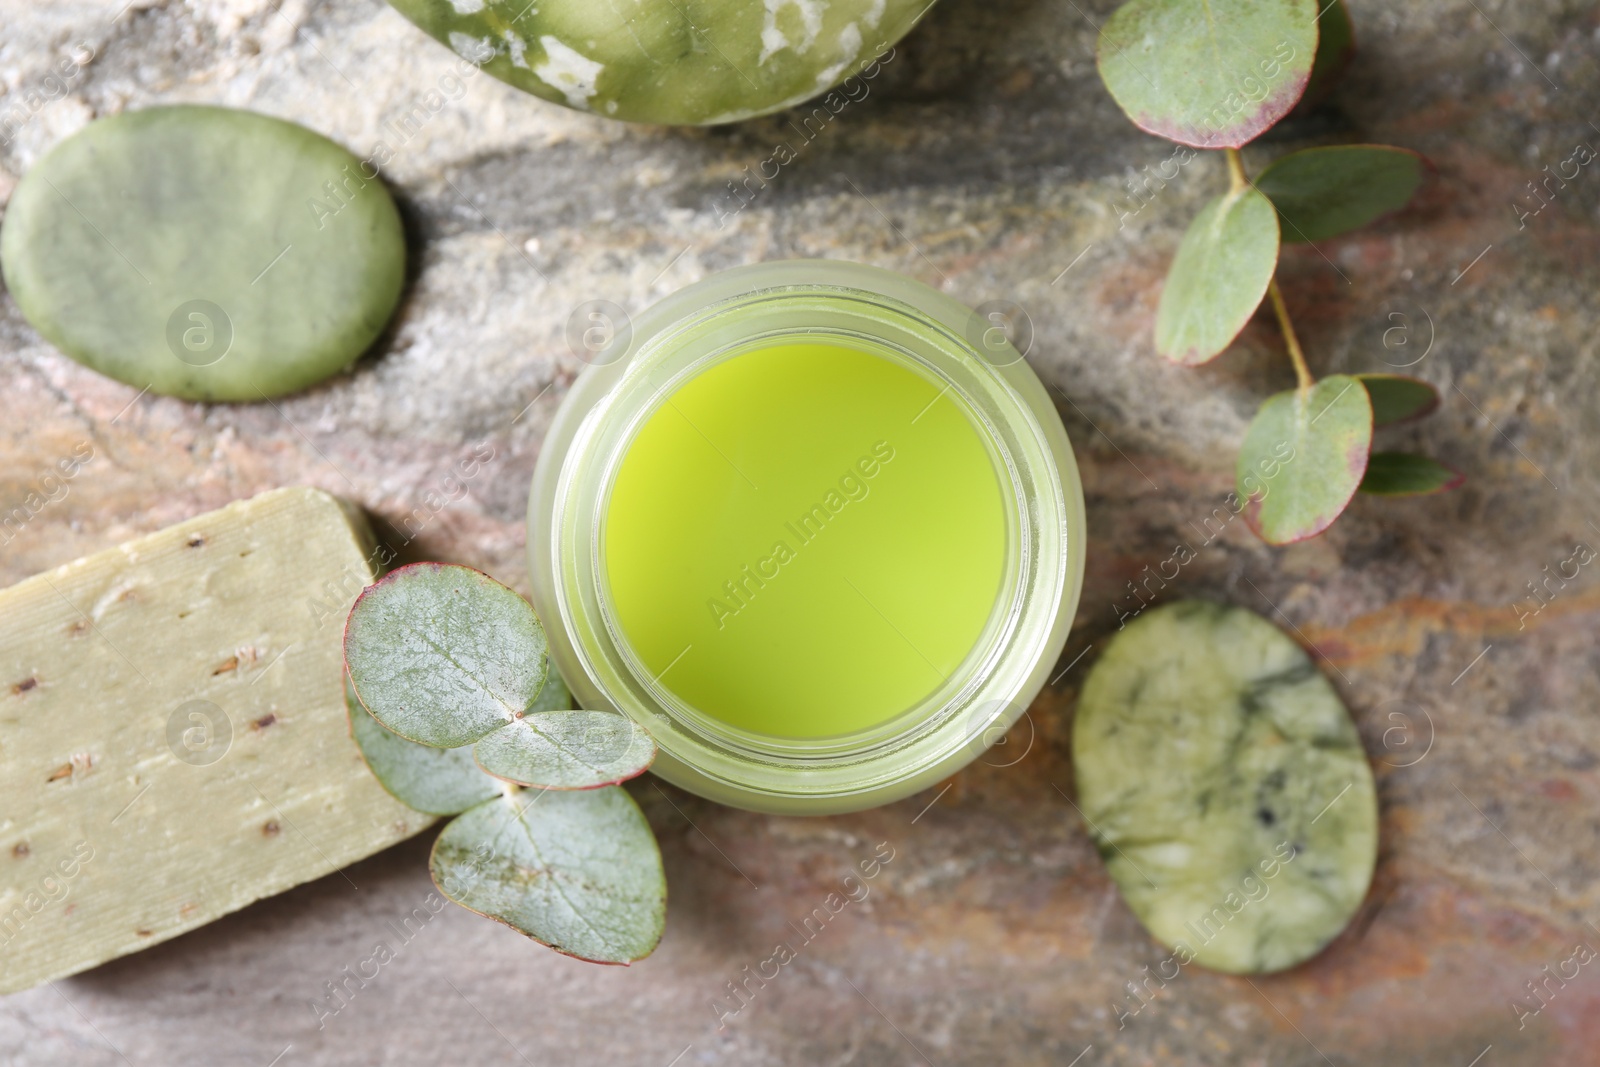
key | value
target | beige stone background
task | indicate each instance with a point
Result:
(986, 161)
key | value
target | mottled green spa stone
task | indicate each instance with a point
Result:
(1226, 788)
(697, 62)
(204, 252)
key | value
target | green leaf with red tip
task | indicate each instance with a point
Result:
(1208, 73)
(436, 781)
(1336, 46)
(1323, 192)
(1303, 458)
(1404, 474)
(1398, 397)
(567, 750)
(578, 871)
(444, 655)
(1217, 279)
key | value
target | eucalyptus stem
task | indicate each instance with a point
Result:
(1302, 373)
(509, 789)
(1239, 180)
(1236, 174)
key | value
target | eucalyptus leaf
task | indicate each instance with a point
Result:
(1336, 46)
(578, 871)
(567, 750)
(1398, 397)
(443, 654)
(1404, 474)
(1208, 73)
(1223, 267)
(1303, 457)
(1323, 192)
(435, 781)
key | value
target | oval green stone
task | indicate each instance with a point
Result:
(695, 62)
(204, 252)
(1226, 788)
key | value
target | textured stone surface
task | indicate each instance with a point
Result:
(986, 160)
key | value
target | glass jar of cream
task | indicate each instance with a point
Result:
(816, 526)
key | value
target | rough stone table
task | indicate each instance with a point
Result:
(989, 162)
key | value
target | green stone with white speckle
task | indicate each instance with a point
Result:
(204, 252)
(674, 62)
(1226, 788)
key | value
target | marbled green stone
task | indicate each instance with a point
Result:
(204, 252)
(698, 62)
(1226, 788)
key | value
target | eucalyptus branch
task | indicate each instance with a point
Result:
(1236, 175)
(1302, 373)
(1238, 180)
(1297, 470)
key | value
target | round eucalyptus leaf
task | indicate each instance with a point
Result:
(1336, 46)
(1323, 192)
(578, 871)
(567, 750)
(1208, 73)
(1223, 267)
(1404, 474)
(443, 654)
(435, 781)
(1303, 457)
(1398, 397)
(1226, 788)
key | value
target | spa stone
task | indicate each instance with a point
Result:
(204, 252)
(1226, 788)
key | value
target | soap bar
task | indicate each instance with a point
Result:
(1226, 788)
(173, 741)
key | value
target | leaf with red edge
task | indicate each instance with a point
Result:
(1324, 192)
(1398, 397)
(437, 781)
(1208, 73)
(1218, 277)
(579, 871)
(1404, 474)
(1303, 458)
(442, 654)
(567, 750)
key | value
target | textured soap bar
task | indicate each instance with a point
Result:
(173, 742)
(1226, 788)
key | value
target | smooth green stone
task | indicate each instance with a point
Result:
(696, 62)
(204, 252)
(1208, 748)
